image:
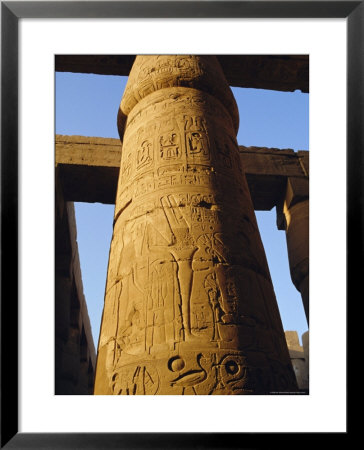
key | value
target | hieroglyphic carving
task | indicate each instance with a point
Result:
(182, 251)
(213, 292)
(139, 380)
(211, 373)
(144, 154)
(169, 146)
(188, 304)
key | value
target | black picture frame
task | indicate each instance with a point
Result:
(11, 12)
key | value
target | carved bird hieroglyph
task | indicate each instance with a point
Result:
(189, 379)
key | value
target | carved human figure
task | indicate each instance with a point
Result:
(213, 292)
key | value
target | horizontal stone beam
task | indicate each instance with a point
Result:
(275, 72)
(267, 171)
(88, 168)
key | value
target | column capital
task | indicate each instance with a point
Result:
(155, 72)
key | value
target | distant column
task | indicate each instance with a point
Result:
(189, 305)
(295, 209)
(299, 358)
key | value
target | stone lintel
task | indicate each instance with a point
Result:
(267, 171)
(88, 151)
(90, 184)
(276, 72)
(89, 169)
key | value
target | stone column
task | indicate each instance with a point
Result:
(189, 304)
(306, 348)
(295, 208)
(299, 358)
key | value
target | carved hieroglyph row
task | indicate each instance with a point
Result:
(189, 304)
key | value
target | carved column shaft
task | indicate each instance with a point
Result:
(189, 304)
(296, 223)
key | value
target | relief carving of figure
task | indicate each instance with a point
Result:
(196, 144)
(182, 249)
(214, 294)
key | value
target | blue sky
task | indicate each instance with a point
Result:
(87, 105)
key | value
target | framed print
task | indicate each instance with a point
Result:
(32, 33)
